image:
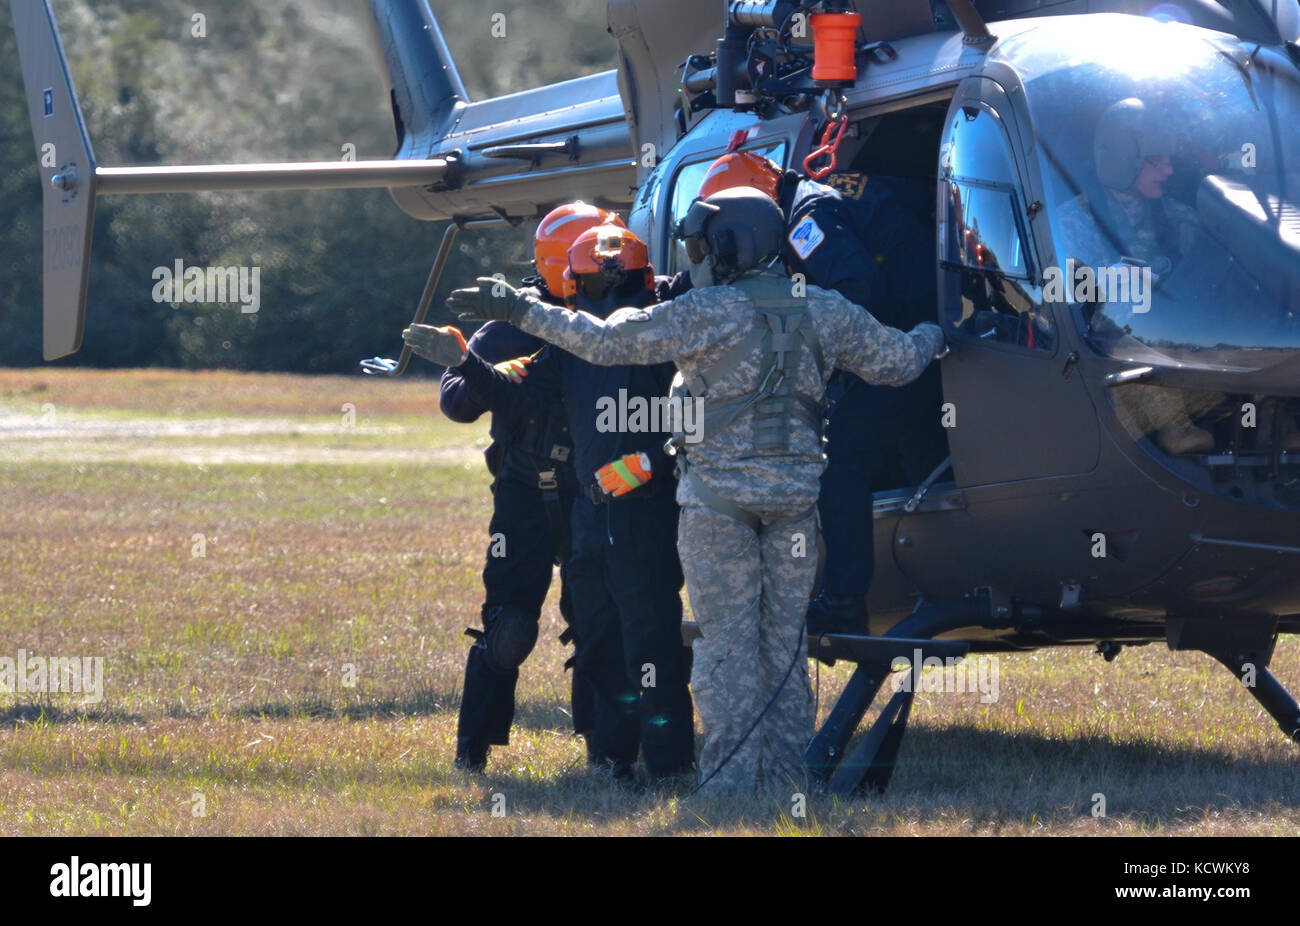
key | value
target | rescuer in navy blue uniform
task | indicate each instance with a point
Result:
(867, 239)
(624, 574)
(531, 460)
(534, 485)
(623, 577)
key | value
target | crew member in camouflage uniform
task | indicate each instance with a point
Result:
(759, 357)
(1129, 216)
(863, 238)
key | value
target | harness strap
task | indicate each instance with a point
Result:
(809, 335)
(786, 327)
(736, 512)
(699, 384)
(555, 519)
(722, 505)
(547, 463)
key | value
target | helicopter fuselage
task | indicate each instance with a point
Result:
(1054, 503)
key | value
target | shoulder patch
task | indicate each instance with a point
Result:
(806, 236)
(851, 183)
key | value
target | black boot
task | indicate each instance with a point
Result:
(471, 755)
(623, 773)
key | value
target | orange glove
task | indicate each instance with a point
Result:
(624, 474)
(515, 370)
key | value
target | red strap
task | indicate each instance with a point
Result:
(829, 148)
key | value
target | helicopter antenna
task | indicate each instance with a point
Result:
(971, 23)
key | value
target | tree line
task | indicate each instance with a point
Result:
(268, 80)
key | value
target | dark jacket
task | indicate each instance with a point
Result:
(529, 430)
(871, 245)
(589, 388)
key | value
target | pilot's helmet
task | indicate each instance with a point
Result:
(556, 234)
(604, 258)
(1128, 133)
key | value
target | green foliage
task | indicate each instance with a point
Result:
(275, 80)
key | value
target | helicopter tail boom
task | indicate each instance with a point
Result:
(72, 180)
(514, 155)
(499, 158)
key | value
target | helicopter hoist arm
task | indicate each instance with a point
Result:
(760, 66)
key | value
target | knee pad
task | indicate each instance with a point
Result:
(510, 636)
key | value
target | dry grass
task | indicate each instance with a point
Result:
(174, 392)
(224, 674)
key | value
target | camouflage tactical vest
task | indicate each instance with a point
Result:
(784, 332)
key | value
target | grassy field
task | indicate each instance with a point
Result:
(342, 525)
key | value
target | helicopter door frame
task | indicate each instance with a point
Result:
(652, 215)
(1022, 412)
(943, 494)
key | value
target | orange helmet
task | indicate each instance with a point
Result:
(603, 256)
(741, 168)
(556, 234)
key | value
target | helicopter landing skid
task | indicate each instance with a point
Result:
(1244, 644)
(381, 366)
(871, 764)
(1271, 693)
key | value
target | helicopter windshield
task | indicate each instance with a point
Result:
(1171, 160)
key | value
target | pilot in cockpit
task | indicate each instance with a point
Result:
(1127, 217)
(1127, 213)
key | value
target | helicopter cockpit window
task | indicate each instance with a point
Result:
(687, 185)
(1171, 163)
(982, 237)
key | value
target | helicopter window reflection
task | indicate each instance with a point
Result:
(685, 187)
(982, 239)
(983, 151)
(988, 236)
(1172, 162)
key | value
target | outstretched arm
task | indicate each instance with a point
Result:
(656, 334)
(629, 336)
(457, 399)
(491, 388)
(880, 354)
(471, 385)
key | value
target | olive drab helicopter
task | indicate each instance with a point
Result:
(1124, 466)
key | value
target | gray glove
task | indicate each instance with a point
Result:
(491, 300)
(444, 346)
